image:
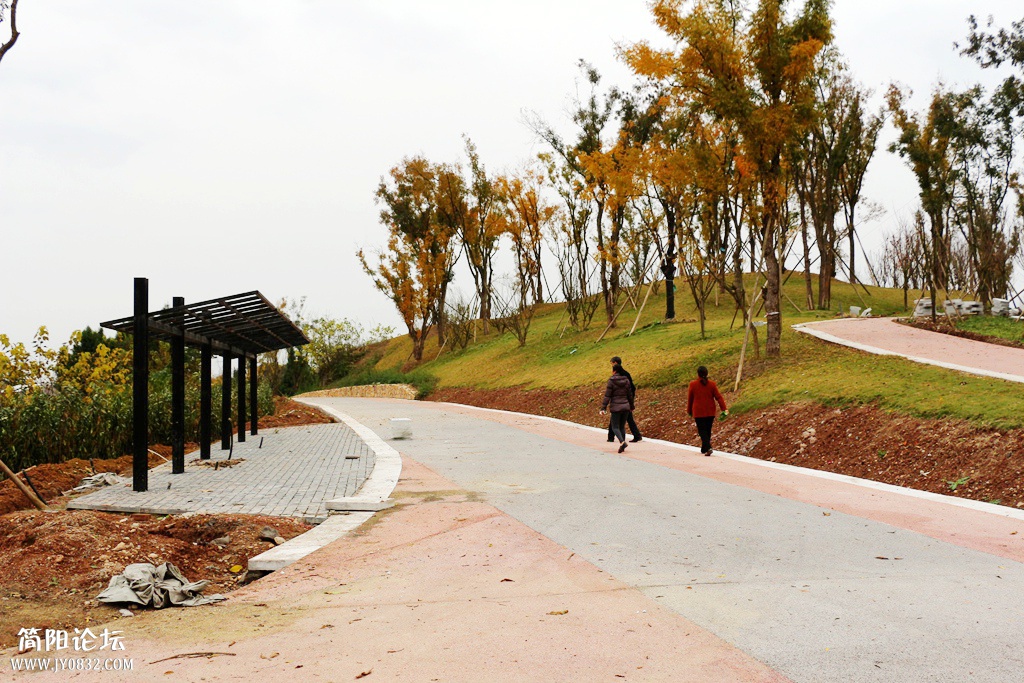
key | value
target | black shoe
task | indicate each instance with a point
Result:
(622, 446)
(611, 440)
(709, 452)
(635, 439)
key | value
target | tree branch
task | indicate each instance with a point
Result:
(14, 31)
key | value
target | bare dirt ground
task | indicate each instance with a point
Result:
(56, 563)
(951, 457)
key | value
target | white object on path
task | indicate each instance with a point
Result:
(401, 428)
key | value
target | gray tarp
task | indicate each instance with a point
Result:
(161, 586)
(99, 480)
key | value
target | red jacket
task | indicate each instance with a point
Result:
(702, 397)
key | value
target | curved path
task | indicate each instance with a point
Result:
(525, 549)
(884, 336)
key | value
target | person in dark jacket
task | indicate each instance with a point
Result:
(618, 397)
(616, 361)
(700, 405)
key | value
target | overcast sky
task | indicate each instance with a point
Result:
(220, 147)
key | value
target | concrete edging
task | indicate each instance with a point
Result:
(371, 496)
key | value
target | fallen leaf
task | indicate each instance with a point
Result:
(827, 514)
(879, 557)
(364, 674)
(504, 580)
(559, 612)
(235, 568)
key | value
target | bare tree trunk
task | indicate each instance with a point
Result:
(668, 267)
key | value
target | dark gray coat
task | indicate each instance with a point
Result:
(618, 395)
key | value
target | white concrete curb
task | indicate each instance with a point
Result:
(825, 336)
(372, 496)
(990, 508)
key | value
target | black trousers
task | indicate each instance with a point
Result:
(632, 426)
(704, 430)
(618, 425)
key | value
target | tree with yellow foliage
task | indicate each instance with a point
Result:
(751, 71)
(415, 269)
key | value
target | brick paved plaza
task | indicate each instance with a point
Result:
(293, 474)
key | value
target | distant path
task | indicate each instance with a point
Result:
(886, 337)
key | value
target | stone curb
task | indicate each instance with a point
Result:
(353, 510)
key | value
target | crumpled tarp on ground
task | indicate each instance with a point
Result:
(147, 585)
(99, 480)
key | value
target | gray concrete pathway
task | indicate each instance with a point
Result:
(293, 474)
(818, 594)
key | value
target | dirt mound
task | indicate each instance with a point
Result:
(952, 457)
(62, 560)
(289, 413)
(56, 563)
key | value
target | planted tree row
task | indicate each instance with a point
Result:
(742, 147)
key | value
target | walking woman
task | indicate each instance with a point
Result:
(618, 396)
(700, 405)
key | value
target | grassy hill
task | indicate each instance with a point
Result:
(665, 355)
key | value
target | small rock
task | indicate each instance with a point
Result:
(278, 540)
(126, 613)
(268, 533)
(222, 541)
(120, 546)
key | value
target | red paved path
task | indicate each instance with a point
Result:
(887, 336)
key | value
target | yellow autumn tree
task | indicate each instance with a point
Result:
(751, 71)
(416, 267)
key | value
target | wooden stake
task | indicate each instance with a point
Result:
(641, 311)
(746, 333)
(612, 321)
(21, 485)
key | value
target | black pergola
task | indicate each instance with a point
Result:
(237, 326)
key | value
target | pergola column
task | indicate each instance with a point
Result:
(140, 387)
(205, 400)
(178, 390)
(241, 399)
(225, 404)
(252, 396)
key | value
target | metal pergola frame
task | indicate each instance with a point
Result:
(236, 326)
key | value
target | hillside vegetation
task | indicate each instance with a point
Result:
(663, 354)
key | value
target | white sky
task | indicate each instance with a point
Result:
(220, 147)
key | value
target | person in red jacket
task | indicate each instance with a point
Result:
(700, 405)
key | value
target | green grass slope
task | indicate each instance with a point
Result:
(662, 354)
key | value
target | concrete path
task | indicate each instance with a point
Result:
(283, 472)
(819, 579)
(525, 549)
(884, 336)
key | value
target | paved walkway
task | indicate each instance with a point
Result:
(884, 336)
(525, 549)
(283, 472)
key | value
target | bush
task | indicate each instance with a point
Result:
(56, 405)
